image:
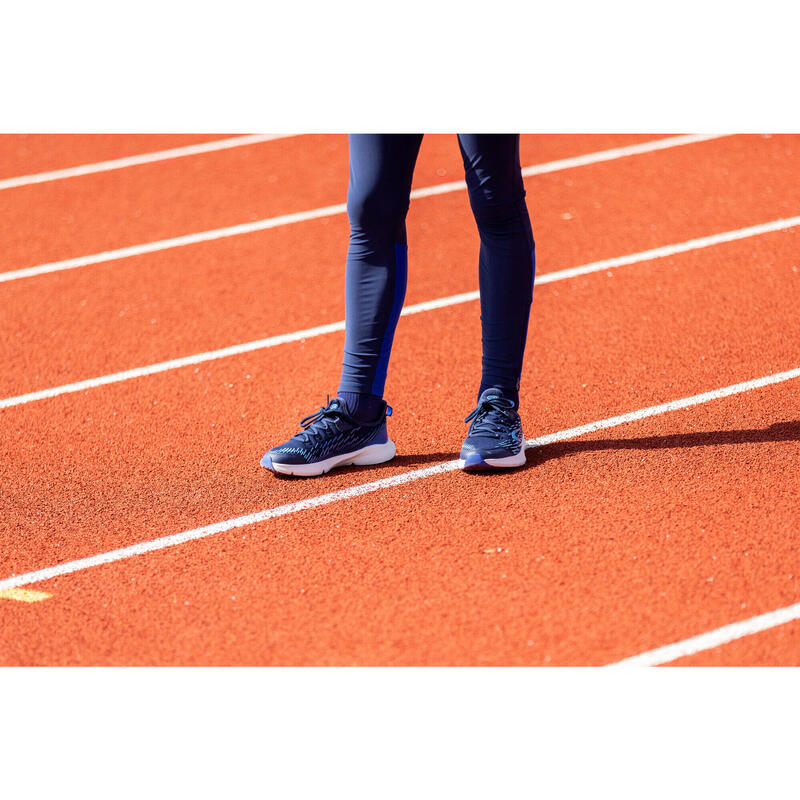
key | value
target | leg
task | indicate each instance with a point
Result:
(506, 263)
(381, 168)
(351, 428)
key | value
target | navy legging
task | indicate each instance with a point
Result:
(381, 168)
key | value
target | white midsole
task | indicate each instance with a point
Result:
(371, 454)
(517, 460)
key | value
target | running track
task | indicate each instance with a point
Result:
(616, 541)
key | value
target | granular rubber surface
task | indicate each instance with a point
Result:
(604, 546)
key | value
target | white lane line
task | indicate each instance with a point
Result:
(177, 241)
(674, 249)
(585, 160)
(711, 639)
(328, 211)
(160, 543)
(234, 350)
(430, 305)
(143, 158)
(663, 408)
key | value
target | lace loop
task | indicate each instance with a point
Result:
(323, 420)
(485, 416)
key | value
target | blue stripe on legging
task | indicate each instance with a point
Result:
(401, 276)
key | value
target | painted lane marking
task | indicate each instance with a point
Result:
(714, 638)
(328, 211)
(166, 244)
(586, 160)
(175, 539)
(24, 595)
(429, 305)
(143, 158)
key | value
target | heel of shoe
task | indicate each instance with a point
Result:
(375, 454)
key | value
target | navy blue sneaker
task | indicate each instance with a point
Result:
(495, 436)
(332, 438)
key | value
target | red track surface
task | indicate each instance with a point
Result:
(607, 542)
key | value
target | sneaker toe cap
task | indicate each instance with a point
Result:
(483, 450)
(472, 460)
(283, 456)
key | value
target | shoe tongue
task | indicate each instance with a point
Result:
(490, 394)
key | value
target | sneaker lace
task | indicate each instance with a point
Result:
(322, 422)
(491, 417)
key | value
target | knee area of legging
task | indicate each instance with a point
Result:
(493, 210)
(501, 217)
(372, 210)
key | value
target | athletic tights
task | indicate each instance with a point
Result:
(381, 169)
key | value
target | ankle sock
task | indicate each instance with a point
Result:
(362, 407)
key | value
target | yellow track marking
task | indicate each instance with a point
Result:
(24, 595)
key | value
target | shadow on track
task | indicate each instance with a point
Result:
(418, 459)
(778, 432)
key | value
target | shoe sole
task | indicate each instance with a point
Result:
(478, 464)
(372, 454)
